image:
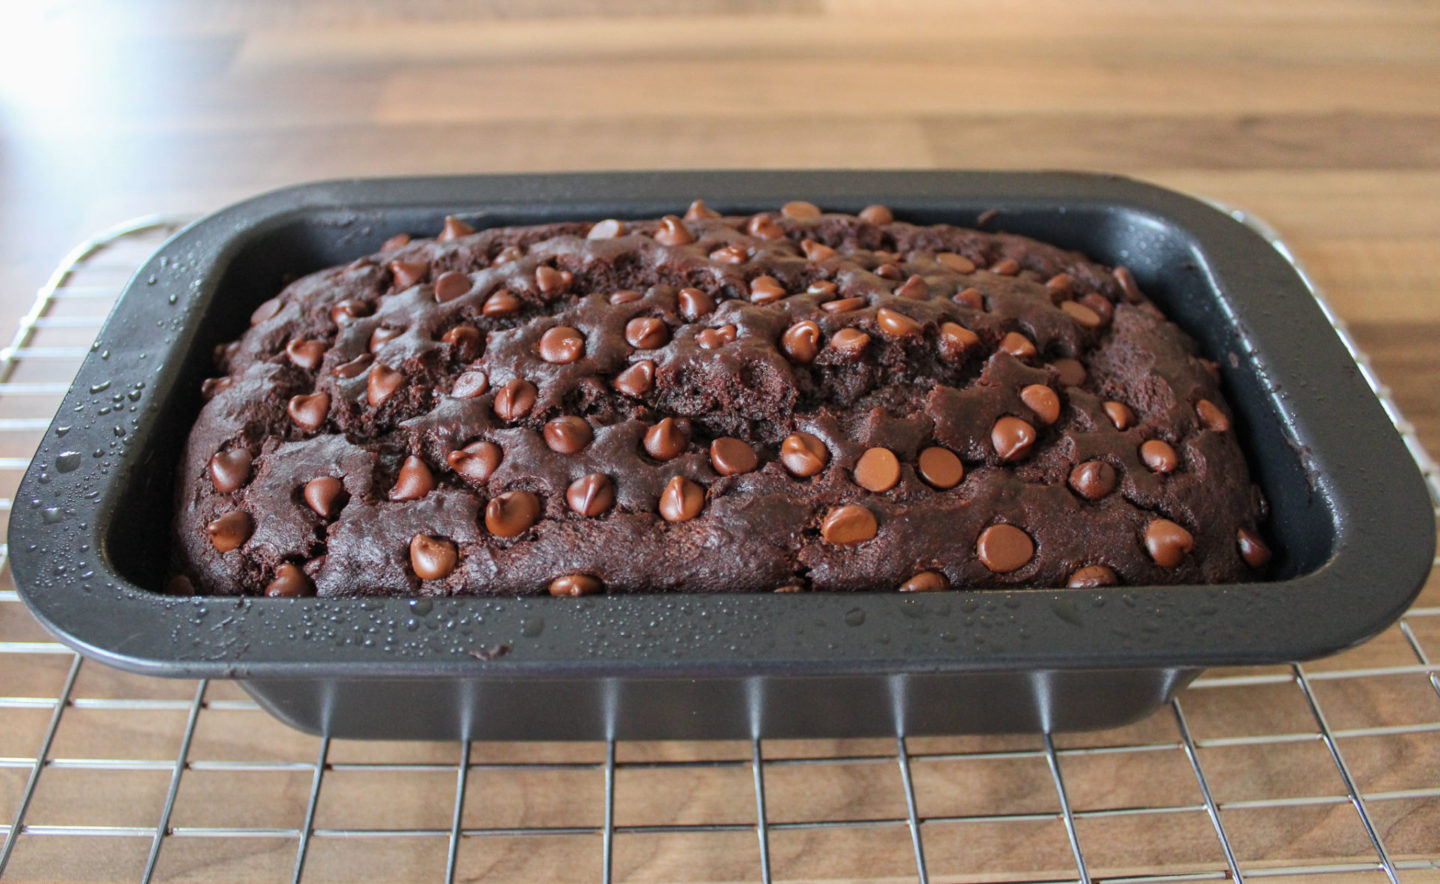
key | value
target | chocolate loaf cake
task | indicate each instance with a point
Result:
(787, 401)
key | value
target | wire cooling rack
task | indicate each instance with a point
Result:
(1283, 772)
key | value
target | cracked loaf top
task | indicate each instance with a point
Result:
(788, 401)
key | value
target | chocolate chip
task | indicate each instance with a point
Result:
(681, 500)
(568, 434)
(941, 467)
(766, 290)
(1093, 479)
(732, 254)
(731, 456)
(454, 229)
(515, 399)
(843, 305)
(507, 255)
(715, 338)
(1017, 345)
(1168, 543)
(1059, 285)
(1005, 267)
(926, 581)
(308, 411)
(673, 232)
(1012, 438)
(1252, 549)
(211, 387)
(764, 227)
(1083, 316)
(575, 585)
(384, 382)
(467, 341)
(382, 336)
(1159, 456)
(591, 495)
(230, 530)
(637, 380)
(607, 229)
(305, 354)
(955, 262)
(1043, 401)
(347, 311)
(1127, 283)
(470, 384)
(970, 299)
(956, 340)
(415, 480)
(895, 324)
(450, 285)
(699, 210)
(562, 345)
(551, 281)
(290, 582)
(815, 251)
(801, 342)
(878, 469)
(800, 209)
(1100, 305)
(824, 288)
(915, 288)
(803, 455)
(512, 513)
(408, 273)
(667, 439)
(266, 311)
(325, 496)
(695, 304)
(501, 303)
(890, 271)
(399, 240)
(354, 368)
(433, 558)
(849, 342)
(477, 461)
(1069, 372)
(876, 215)
(646, 333)
(624, 296)
(1003, 548)
(230, 469)
(1120, 415)
(1093, 577)
(1211, 416)
(848, 524)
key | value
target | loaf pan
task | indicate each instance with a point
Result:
(1351, 522)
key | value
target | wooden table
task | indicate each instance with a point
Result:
(1322, 118)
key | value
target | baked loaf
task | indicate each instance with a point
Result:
(787, 401)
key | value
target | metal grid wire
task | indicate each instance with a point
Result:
(1224, 785)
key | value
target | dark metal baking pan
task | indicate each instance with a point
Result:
(1351, 519)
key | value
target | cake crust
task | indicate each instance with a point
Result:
(789, 400)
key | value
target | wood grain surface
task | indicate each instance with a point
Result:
(1321, 117)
